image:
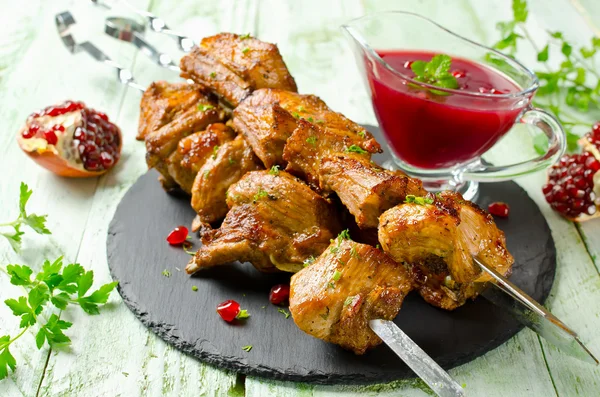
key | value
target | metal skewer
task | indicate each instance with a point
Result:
(155, 24)
(419, 361)
(128, 30)
(64, 21)
(535, 316)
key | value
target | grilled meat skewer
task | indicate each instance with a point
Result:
(232, 66)
(275, 221)
(349, 284)
(438, 241)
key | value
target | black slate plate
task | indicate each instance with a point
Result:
(138, 254)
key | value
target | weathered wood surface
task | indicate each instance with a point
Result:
(113, 354)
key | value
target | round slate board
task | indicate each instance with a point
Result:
(138, 254)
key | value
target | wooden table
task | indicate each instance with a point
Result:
(113, 354)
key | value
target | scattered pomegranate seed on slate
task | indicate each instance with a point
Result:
(228, 310)
(279, 294)
(178, 235)
(499, 209)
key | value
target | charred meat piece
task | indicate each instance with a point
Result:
(366, 189)
(437, 236)
(269, 117)
(275, 221)
(232, 66)
(349, 284)
(178, 119)
(193, 151)
(224, 167)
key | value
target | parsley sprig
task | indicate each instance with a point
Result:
(435, 72)
(58, 285)
(568, 87)
(35, 222)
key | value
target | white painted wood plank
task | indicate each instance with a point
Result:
(114, 354)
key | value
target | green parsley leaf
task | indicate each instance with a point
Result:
(337, 275)
(166, 273)
(520, 12)
(542, 56)
(412, 199)
(19, 274)
(204, 107)
(52, 332)
(355, 149)
(243, 314)
(284, 312)
(60, 300)
(309, 261)
(312, 140)
(274, 170)
(194, 288)
(6, 358)
(260, 194)
(247, 348)
(344, 235)
(84, 283)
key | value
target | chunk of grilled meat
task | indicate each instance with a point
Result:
(193, 151)
(366, 189)
(349, 284)
(232, 66)
(310, 143)
(438, 241)
(269, 117)
(222, 169)
(168, 115)
(275, 222)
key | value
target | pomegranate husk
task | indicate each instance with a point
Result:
(50, 160)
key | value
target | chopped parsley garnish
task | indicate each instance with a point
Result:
(245, 50)
(245, 36)
(206, 174)
(204, 107)
(309, 261)
(186, 247)
(194, 288)
(310, 119)
(166, 273)
(362, 134)
(354, 253)
(344, 235)
(312, 140)
(435, 72)
(231, 161)
(355, 149)
(320, 121)
(260, 194)
(213, 75)
(300, 108)
(337, 275)
(247, 348)
(378, 246)
(242, 314)
(274, 170)
(296, 115)
(284, 312)
(412, 199)
(215, 151)
(331, 285)
(325, 315)
(348, 300)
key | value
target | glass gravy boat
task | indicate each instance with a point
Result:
(439, 134)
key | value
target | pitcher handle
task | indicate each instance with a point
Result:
(557, 143)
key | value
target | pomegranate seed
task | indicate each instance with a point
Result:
(592, 164)
(547, 188)
(408, 64)
(178, 235)
(577, 204)
(58, 127)
(228, 310)
(107, 160)
(459, 74)
(31, 131)
(50, 136)
(498, 208)
(279, 294)
(575, 193)
(596, 128)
